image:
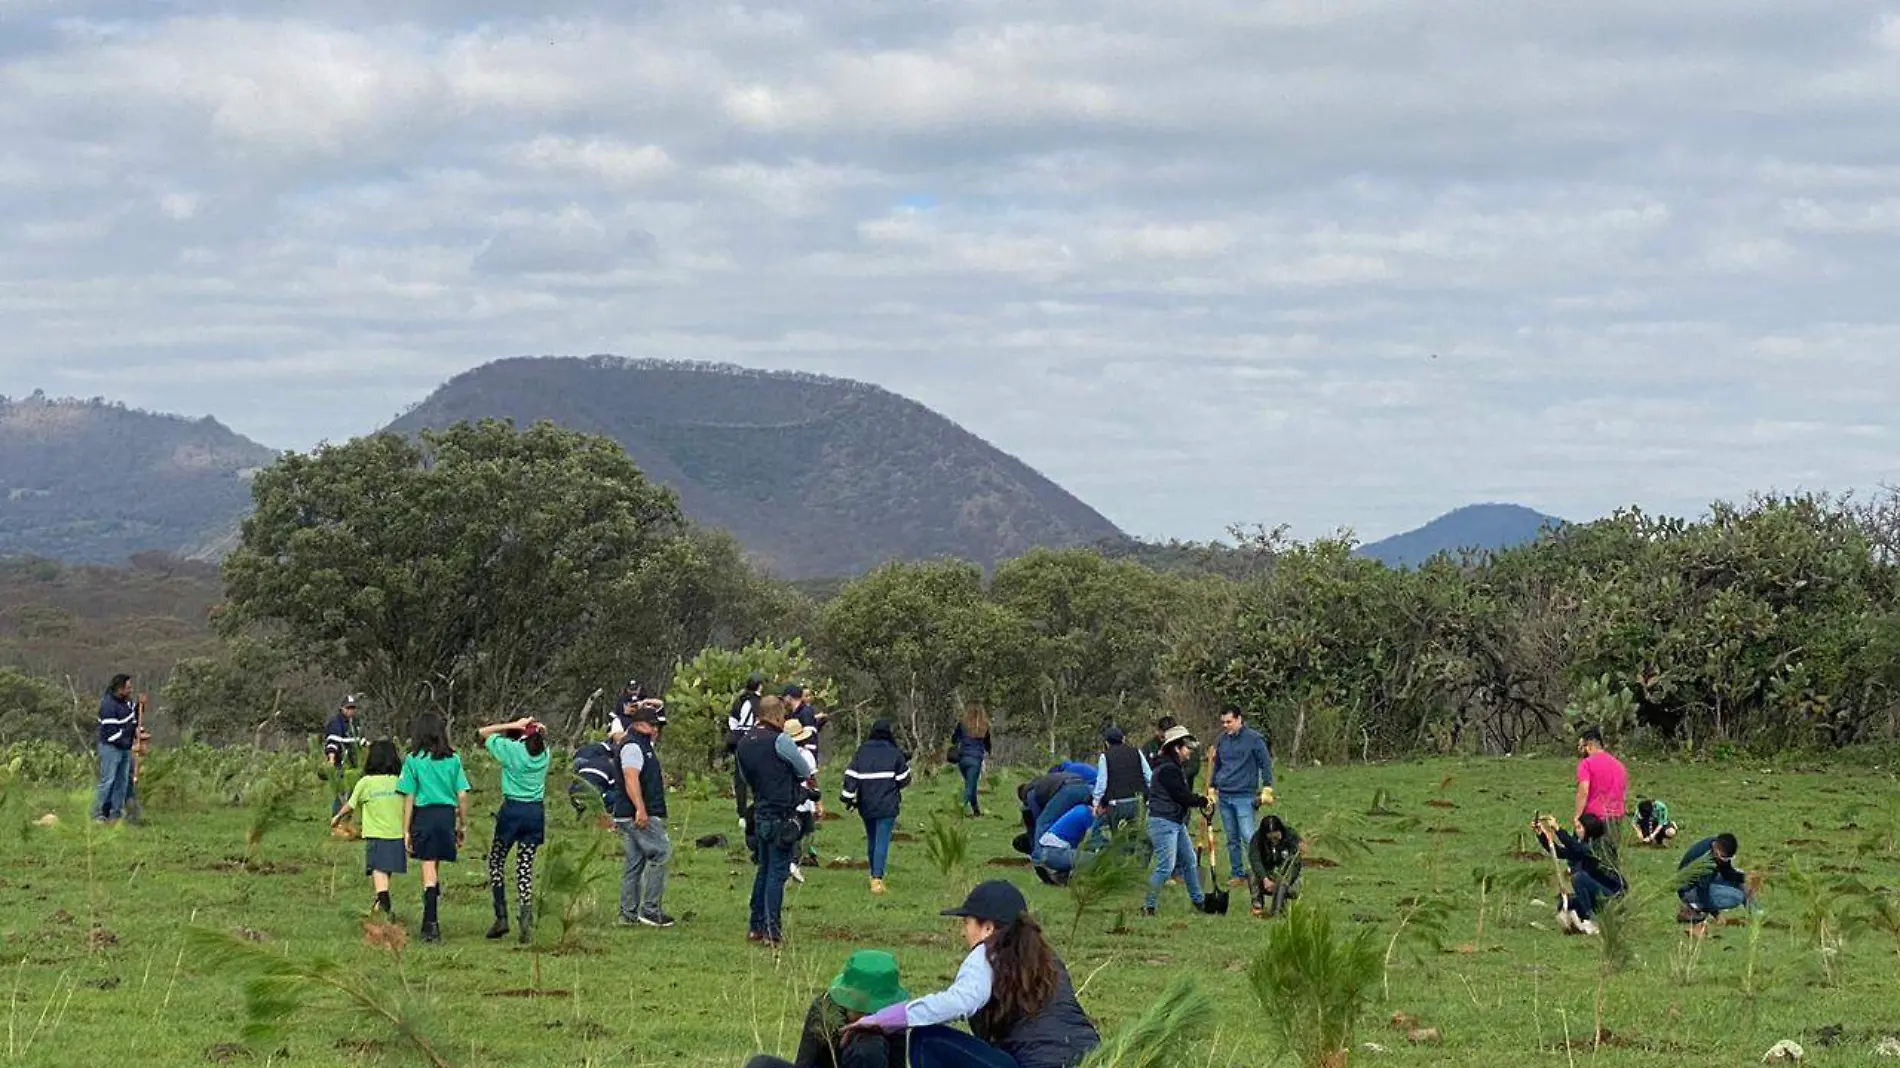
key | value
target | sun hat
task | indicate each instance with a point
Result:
(799, 732)
(996, 901)
(868, 983)
(1176, 734)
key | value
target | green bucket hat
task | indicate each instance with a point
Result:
(868, 982)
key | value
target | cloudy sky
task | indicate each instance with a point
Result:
(1322, 262)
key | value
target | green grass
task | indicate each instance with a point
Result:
(699, 995)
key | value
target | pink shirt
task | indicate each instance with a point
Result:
(1609, 783)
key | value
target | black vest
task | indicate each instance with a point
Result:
(1058, 1036)
(775, 786)
(1125, 781)
(652, 782)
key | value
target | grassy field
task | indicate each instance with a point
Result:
(94, 927)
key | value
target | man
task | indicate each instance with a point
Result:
(739, 722)
(632, 698)
(1192, 769)
(1602, 782)
(639, 809)
(1122, 777)
(1721, 888)
(1242, 775)
(339, 747)
(118, 730)
(1059, 848)
(773, 767)
(1075, 793)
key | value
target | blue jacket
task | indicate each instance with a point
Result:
(969, 750)
(1242, 764)
(1073, 826)
(118, 722)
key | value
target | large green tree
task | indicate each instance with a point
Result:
(480, 570)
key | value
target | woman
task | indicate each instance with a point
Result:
(1594, 877)
(874, 785)
(1012, 988)
(970, 750)
(1274, 855)
(434, 791)
(774, 771)
(868, 983)
(521, 748)
(1169, 802)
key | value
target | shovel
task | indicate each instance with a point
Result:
(1217, 899)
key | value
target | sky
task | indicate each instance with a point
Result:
(1340, 264)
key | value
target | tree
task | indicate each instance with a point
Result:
(477, 570)
(249, 688)
(35, 710)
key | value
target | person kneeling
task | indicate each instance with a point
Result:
(1594, 878)
(1056, 854)
(868, 984)
(1653, 827)
(1721, 888)
(1274, 855)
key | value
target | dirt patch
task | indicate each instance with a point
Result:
(1008, 862)
(362, 1047)
(842, 864)
(1801, 842)
(100, 938)
(1382, 841)
(263, 867)
(830, 817)
(903, 836)
(227, 1053)
(1320, 862)
(529, 994)
(110, 982)
(1441, 804)
(1445, 830)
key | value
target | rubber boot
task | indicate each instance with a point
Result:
(500, 930)
(527, 924)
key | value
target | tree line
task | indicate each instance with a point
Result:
(488, 571)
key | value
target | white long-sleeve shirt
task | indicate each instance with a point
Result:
(964, 998)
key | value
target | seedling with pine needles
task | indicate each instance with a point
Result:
(1164, 1036)
(1821, 918)
(1115, 869)
(947, 844)
(1421, 929)
(1313, 983)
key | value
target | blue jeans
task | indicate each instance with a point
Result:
(938, 1046)
(115, 782)
(1712, 897)
(1237, 812)
(768, 886)
(1058, 858)
(1174, 849)
(972, 774)
(877, 840)
(1065, 799)
(1588, 892)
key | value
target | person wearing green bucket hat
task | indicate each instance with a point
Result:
(869, 983)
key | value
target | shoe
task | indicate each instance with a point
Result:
(1588, 927)
(1258, 912)
(877, 886)
(1236, 881)
(432, 932)
(754, 936)
(1044, 874)
(656, 919)
(500, 929)
(796, 875)
(1147, 910)
(1689, 914)
(527, 925)
(1567, 921)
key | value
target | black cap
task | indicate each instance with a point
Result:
(995, 901)
(793, 690)
(1114, 736)
(645, 714)
(757, 678)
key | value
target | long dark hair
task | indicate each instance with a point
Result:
(1025, 975)
(384, 758)
(429, 736)
(536, 743)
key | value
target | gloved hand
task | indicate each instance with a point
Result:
(894, 1018)
(1266, 795)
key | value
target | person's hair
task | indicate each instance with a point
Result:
(1272, 824)
(384, 758)
(1164, 723)
(1174, 749)
(117, 681)
(429, 734)
(1022, 792)
(976, 720)
(1590, 734)
(754, 684)
(1024, 976)
(1592, 825)
(1646, 809)
(535, 743)
(1234, 711)
(772, 713)
(1727, 844)
(881, 731)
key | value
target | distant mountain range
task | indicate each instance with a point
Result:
(1479, 527)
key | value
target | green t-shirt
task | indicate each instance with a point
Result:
(378, 806)
(431, 781)
(523, 777)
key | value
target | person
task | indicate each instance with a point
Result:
(868, 983)
(800, 709)
(1594, 877)
(1274, 855)
(1241, 776)
(1721, 888)
(1153, 750)
(434, 789)
(1652, 824)
(1056, 852)
(1602, 782)
(805, 737)
(1037, 793)
(1122, 778)
(340, 742)
(970, 745)
(638, 805)
(596, 765)
(1011, 987)
(774, 769)
(118, 730)
(740, 721)
(1169, 802)
(521, 748)
(874, 785)
(633, 697)
(1075, 792)
(378, 807)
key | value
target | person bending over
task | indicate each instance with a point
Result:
(1056, 853)
(1715, 891)
(868, 984)
(1594, 877)
(1652, 824)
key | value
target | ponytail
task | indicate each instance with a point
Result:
(1025, 976)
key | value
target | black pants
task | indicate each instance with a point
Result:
(869, 1051)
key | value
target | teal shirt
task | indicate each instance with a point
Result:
(431, 781)
(523, 777)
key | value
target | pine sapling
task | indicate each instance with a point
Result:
(1313, 983)
(1163, 1036)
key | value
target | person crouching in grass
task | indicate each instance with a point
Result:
(434, 790)
(1594, 877)
(1652, 823)
(868, 984)
(521, 748)
(379, 810)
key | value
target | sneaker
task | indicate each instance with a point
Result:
(797, 876)
(877, 886)
(1147, 910)
(656, 919)
(1567, 920)
(1689, 914)
(1236, 881)
(1588, 927)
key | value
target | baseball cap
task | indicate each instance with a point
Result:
(793, 690)
(349, 700)
(643, 714)
(1114, 736)
(996, 901)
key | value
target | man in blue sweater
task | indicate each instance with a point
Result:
(1242, 770)
(118, 730)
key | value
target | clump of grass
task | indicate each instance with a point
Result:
(1313, 983)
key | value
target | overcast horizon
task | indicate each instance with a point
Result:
(1202, 263)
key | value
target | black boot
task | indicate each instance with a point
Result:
(500, 930)
(527, 924)
(431, 930)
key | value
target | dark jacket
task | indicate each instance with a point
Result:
(1725, 870)
(118, 722)
(823, 1043)
(1169, 797)
(1125, 780)
(1268, 859)
(875, 781)
(339, 740)
(1059, 1036)
(776, 787)
(598, 765)
(969, 749)
(1590, 858)
(652, 781)
(742, 718)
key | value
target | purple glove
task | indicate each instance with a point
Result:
(894, 1018)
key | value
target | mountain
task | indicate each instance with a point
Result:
(1484, 527)
(815, 476)
(92, 482)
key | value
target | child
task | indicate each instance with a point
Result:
(1652, 823)
(1594, 877)
(434, 792)
(521, 748)
(380, 808)
(806, 738)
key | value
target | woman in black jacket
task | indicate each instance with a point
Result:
(1594, 876)
(1169, 802)
(1274, 855)
(874, 785)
